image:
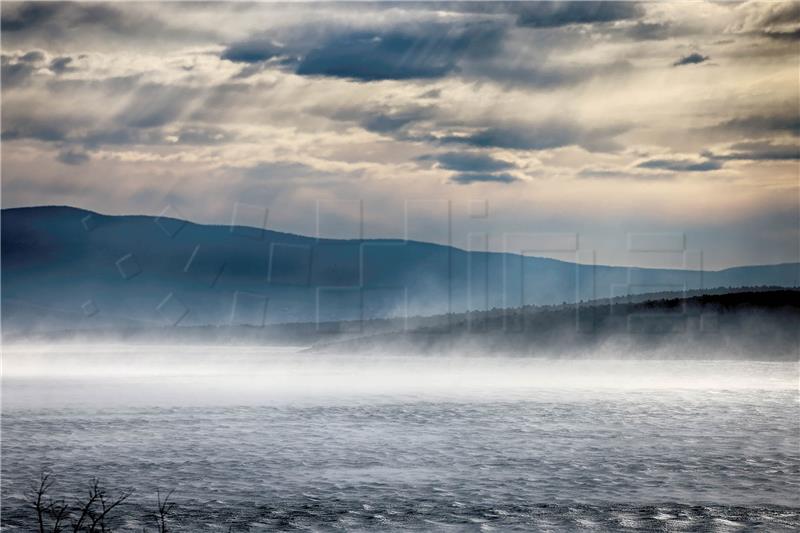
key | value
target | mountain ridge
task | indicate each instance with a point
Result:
(74, 268)
(367, 240)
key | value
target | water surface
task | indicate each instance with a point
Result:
(270, 439)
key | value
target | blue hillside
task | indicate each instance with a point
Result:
(64, 267)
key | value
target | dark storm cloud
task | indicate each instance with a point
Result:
(34, 56)
(118, 136)
(59, 65)
(17, 70)
(785, 122)
(543, 14)
(388, 123)
(383, 120)
(20, 124)
(415, 124)
(789, 35)
(537, 14)
(252, 51)
(29, 15)
(760, 151)
(103, 22)
(692, 59)
(60, 17)
(468, 162)
(15, 73)
(540, 137)
(681, 165)
(430, 51)
(518, 138)
(83, 131)
(72, 157)
(474, 49)
(555, 14)
(465, 178)
(649, 31)
(509, 73)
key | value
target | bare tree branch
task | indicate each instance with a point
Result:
(89, 515)
(86, 510)
(39, 495)
(164, 509)
(58, 512)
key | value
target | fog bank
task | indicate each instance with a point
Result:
(37, 376)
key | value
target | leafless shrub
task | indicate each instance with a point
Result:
(164, 509)
(39, 503)
(90, 515)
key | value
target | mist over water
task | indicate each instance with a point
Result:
(266, 439)
(117, 375)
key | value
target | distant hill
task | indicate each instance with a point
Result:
(762, 325)
(67, 268)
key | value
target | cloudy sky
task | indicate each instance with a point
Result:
(584, 127)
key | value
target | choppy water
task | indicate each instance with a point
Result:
(523, 451)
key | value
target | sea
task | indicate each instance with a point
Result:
(279, 439)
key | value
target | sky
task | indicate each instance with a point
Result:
(652, 134)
